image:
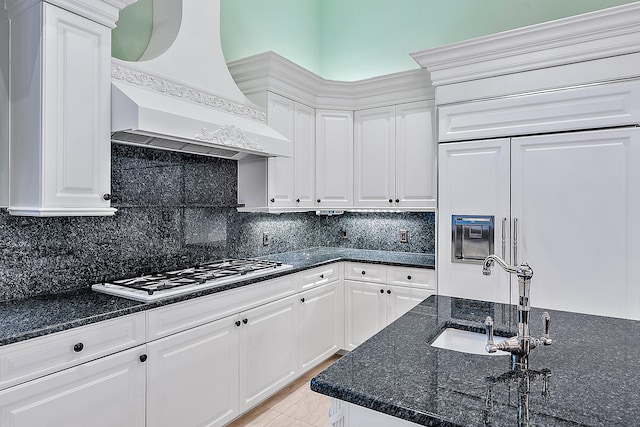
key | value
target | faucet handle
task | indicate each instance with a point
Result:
(488, 327)
(546, 320)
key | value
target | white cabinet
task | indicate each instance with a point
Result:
(473, 180)
(106, 392)
(415, 156)
(320, 320)
(290, 181)
(376, 295)
(374, 166)
(60, 110)
(577, 200)
(192, 376)
(334, 158)
(280, 170)
(394, 157)
(94, 371)
(268, 350)
(569, 203)
(365, 312)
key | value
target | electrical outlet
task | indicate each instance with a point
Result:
(265, 238)
(404, 236)
(344, 233)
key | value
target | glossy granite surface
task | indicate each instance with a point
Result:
(46, 314)
(589, 376)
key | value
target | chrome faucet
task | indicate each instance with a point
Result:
(521, 345)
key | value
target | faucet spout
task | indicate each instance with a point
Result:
(488, 263)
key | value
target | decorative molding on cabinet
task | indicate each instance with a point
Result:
(606, 33)
(178, 90)
(105, 12)
(269, 71)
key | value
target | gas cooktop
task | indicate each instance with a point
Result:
(155, 286)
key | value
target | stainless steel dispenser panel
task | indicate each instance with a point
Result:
(471, 238)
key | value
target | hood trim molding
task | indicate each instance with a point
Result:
(184, 92)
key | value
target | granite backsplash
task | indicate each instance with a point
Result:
(175, 210)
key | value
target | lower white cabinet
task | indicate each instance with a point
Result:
(369, 307)
(365, 311)
(268, 350)
(106, 392)
(320, 332)
(192, 376)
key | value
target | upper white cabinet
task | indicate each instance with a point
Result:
(290, 181)
(373, 145)
(394, 157)
(60, 107)
(334, 159)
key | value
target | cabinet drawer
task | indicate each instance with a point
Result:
(34, 358)
(414, 277)
(318, 276)
(179, 317)
(375, 273)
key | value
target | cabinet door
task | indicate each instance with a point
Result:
(364, 311)
(415, 169)
(61, 165)
(280, 114)
(268, 350)
(473, 179)
(104, 393)
(320, 324)
(304, 177)
(577, 199)
(374, 157)
(334, 158)
(401, 299)
(193, 376)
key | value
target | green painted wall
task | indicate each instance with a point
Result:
(354, 39)
(365, 38)
(131, 36)
(290, 28)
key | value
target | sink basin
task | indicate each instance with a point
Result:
(466, 342)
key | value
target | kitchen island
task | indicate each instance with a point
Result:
(589, 376)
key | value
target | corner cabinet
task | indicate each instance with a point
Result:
(377, 295)
(394, 157)
(60, 107)
(334, 159)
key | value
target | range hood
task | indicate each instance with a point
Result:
(180, 95)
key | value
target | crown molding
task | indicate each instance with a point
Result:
(269, 71)
(105, 12)
(591, 36)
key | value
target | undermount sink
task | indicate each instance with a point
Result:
(466, 342)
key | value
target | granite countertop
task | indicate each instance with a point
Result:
(591, 369)
(42, 315)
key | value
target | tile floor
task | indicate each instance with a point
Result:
(295, 405)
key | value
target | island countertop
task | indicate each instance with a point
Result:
(589, 376)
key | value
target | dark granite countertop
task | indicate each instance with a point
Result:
(38, 316)
(592, 370)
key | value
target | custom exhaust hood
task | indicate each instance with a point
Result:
(180, 95)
